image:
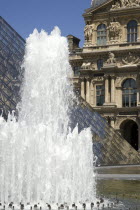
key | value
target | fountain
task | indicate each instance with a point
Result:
(41, 158)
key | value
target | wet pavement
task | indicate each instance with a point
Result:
(120, 184)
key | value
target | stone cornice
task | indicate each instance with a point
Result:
(106, 50)
(119, 70)
(116, 110)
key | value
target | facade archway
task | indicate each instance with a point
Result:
(129, 130)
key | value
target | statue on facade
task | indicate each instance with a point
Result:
(88, 30)
(116, 6)
(130, 59)
(88, 66)
(111, 59)
(114, 30)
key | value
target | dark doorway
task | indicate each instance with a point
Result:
(129, 130)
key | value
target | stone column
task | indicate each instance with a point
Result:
(88, 90)
(106, 90)
(113, 89)
(94, 38)
(124, 34)
(83, 88)
(107, 37)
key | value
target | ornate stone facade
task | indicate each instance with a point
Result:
(109, 64)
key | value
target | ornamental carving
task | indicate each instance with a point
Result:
(88, 66)
(97, 79)
(125, 4)
(88, 30)
(114, 30)
(111, 59)
(130, 59)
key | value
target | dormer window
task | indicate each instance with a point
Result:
(101, 34)
(132, 31)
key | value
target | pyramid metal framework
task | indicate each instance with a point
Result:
(11, 54)
(109, 147)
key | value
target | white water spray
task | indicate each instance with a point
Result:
(41, 159)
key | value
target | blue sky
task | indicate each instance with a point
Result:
(25, 15)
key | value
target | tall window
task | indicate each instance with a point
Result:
(101, 34)
(100, 95)
(132, 31)
(99, 64)
(129, 93)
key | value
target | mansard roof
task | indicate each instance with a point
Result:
(96, 3)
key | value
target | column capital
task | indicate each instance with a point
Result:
(82, 79)
(113, 76)
(88, 79)
(106, 76)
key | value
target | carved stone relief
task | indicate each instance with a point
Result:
(130, 59)
(114, 31)
(125, 4)
(97, 79)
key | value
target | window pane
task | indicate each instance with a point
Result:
(129, 93)
(100, 96)
(101, 34)
(132, 31)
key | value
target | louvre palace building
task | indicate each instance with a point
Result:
(107, 68)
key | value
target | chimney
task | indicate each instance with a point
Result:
(73, 42)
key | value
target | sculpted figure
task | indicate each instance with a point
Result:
(88, 66)
(114, 30)
(116, 6)
(126, 3)
(111, 58)
(123, 3)
(88, 32)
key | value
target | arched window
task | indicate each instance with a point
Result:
(132, 31)
(99, 64)
(101, 34)
(129, 93)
